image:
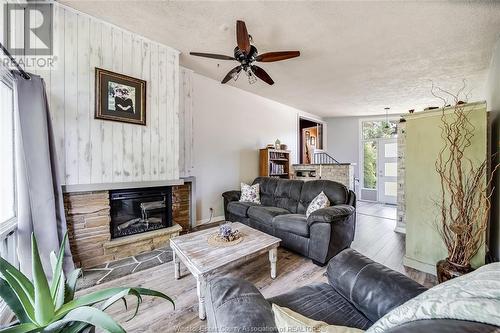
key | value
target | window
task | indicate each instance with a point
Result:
(372, 131)
(7, 170)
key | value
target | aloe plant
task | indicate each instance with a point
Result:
(41, 306)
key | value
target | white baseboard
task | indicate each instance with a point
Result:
(421, 266)
(214, 219)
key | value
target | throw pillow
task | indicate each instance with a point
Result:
(321, 201)
(287, 320)
(250, 193)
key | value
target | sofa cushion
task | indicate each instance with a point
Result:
(322, 302)
(290, 321)
(265, 214)
(287, 194)
(240, 208)
(267, 188)
(293, 223)
(337, 193)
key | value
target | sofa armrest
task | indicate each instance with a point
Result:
(235, 305)
(331, 214)
(231, 195)
(228, 197)
(371, 287)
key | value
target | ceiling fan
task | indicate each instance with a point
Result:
(247, 54)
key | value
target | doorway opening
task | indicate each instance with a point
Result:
(379, 161)
(310, 139)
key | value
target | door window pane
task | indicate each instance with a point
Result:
(391, 150)
(7, 203)
(370, 165)
(391, 169)
(390, 189)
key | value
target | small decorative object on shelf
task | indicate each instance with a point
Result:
(284, 147)
(277, 144)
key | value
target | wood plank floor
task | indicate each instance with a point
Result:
(374, 238)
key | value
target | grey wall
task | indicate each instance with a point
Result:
(343, 140)
(493, 104)
(230, 126)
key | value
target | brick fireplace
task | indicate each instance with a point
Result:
(90, 227)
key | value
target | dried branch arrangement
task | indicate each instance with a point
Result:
(465, 184)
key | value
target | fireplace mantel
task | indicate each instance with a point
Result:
(119, 186)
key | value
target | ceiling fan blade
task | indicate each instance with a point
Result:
(231, 73)
(277, 56)
(211, 55)
(261, 74)
(242, 37)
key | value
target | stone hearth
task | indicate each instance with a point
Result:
(88, 220)
(123, 267)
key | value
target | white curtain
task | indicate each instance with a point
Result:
(40, 200)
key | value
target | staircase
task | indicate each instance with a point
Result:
(322, 157)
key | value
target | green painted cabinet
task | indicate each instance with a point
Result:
(424, 246)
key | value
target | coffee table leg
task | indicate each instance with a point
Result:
(177, 266)
(200, 288)
(273, 258)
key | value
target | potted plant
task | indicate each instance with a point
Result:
(41, 306)
(464, 201)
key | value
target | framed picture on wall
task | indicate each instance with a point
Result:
(119, 97)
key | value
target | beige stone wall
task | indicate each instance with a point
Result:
(88, 220)
(341, 173)
(181, 197)
(401, 210)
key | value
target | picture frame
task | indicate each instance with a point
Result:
(119, 97)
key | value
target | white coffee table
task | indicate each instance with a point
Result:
(204, 260)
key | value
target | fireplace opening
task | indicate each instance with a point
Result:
(135, 211)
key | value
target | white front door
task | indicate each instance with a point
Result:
(387, 166)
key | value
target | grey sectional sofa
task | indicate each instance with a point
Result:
(282, 213)
(358, 293)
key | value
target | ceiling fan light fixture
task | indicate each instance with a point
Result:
(387, 126)
(235, 76)
(251, 76)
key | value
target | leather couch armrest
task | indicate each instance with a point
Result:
(331, 214)
(371, 287)
(231, 195)
(228, 197)
(235, 305)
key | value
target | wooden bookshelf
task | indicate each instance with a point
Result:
(274, 163)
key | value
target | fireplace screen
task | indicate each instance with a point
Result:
(135, 211)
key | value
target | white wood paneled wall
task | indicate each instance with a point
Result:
(186, 159)
(98, 151)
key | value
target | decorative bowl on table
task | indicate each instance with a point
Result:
(226, 236)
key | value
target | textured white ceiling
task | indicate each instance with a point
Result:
(356, 57)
